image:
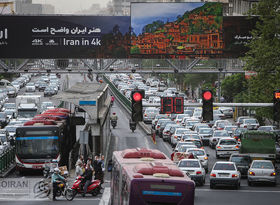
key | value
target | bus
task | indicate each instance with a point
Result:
(40, 140)
(148, 177)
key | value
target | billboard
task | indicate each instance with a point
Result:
(64, 36)
(237, 35)
(177, 30)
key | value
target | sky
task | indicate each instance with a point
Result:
(145, 13)
(71, 6)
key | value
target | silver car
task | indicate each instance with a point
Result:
(261, 171)
(226, 147)
(150, 114)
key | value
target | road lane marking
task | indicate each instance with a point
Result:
(246, 191)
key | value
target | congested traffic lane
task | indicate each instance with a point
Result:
(257, 195)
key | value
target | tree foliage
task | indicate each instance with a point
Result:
(264, 54)
(234, 88)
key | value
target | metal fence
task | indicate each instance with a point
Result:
(7, 159)
(117, 93)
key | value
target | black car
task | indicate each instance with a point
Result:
(49, 92)
(4, 120)
(242, 162)
(42, 86)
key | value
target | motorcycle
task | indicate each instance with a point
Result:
(114, 123)
(94, 188)
(132, 126)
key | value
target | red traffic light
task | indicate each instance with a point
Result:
(277, 95)
(137, 96)
(207, 95)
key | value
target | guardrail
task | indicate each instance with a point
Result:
(126, 102)
(7, 160)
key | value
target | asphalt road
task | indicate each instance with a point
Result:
(257, 195)
(124, 138)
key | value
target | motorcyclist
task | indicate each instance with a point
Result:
(56, 180)
(112, 99)
(87, 176)
(114, 117)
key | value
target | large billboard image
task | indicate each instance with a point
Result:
(177, 30)
(64, 36)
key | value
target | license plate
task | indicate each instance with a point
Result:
(37, 166)
(223, 175)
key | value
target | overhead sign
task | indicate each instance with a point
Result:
(87, 102)
(64, 36)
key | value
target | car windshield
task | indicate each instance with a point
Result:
(191, 123)
(151, 111)
(197, 152)
(262, 165)
(181, 131)
(228, 142)
(239, 131)
(205, 131)
(11, 129)
(241, 159)
(9, 112)
(223, 133)
(9, 105)
(265, 128)
(224, 166)
(250, 121)
(185, 147)
(185, 163)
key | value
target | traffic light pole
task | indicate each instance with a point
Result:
(220, 105)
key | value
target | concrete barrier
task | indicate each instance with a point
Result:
(105, 197)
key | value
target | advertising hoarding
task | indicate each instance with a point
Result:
(64, 36)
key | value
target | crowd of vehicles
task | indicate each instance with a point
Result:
(241, 142)
(35, 127)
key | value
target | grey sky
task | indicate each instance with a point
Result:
(71, 6)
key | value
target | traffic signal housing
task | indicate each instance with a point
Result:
(276, 106)
(136, 105)
(207, 107)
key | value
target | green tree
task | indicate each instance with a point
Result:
(263, 56)
(234, 87)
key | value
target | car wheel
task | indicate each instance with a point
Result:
(237, 186)
(212, 186)
(249, 183)
(217, 156)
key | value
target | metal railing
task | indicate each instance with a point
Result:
(118, 94)
(7, 159)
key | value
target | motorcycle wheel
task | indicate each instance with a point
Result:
(132, 130)
(95, 192)
(70, 194)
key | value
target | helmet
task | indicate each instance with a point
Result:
(56, 170)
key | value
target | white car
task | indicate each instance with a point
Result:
(217, 134)
(224, 173)
(181, 144)
(177, 136)
(201, 155)
(261, 171)
(226, 147)
(194, 169)
(250, 124)
(30, 87)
